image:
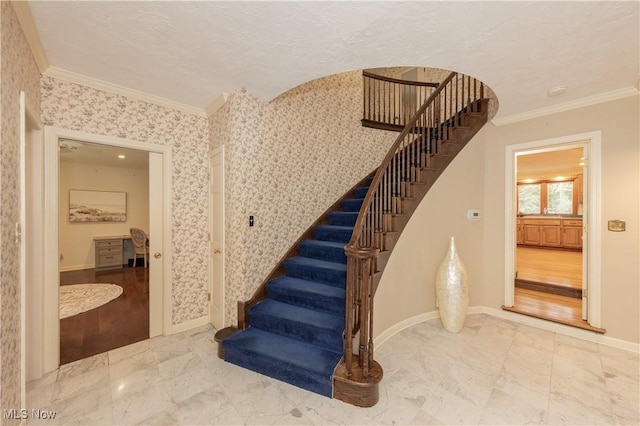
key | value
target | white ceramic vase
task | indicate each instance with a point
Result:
(452, 291)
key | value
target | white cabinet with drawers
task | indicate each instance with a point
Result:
(108, 253)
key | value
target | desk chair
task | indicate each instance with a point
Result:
(139, 240)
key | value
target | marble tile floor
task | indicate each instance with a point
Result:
(493, 372)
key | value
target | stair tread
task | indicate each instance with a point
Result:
(289, 351)
(328, 244)
(308, 317)
(341, 213)
(337, 227)
(308, 287)
(317, 263)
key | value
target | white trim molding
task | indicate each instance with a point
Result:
(25, 18)
(160, 318)
(73, 77)
(566, 106)
(591, 142)
(216, 104)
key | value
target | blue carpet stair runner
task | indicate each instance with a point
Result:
(296, 333)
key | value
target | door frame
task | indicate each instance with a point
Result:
(592, 143)
(160, 318)
(29, 233)
(218, 323)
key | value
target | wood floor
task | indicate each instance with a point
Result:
(555, 270)
(557, 267)
(122, 321)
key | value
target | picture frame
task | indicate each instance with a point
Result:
(86, 206)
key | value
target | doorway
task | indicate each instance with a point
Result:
(95, 250)
(552, 238)
(160, 318)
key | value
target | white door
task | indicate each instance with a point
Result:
(156, 254)
(216, 246)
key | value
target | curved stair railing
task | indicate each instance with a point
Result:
(328, 286)
(454, 111)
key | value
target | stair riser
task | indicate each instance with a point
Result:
(330, 305)
(325, 276)
(324, 253)
(343, 219)
(351, 205)
(331, 340)
(276, 369)
(339, 236)
(361, 192)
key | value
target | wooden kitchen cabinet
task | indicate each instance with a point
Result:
(519, 232)
(561, 233)
(551, 235)
(542, 232)
(572, 233)
(530, 234)
(578, 186)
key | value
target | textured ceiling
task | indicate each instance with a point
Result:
(191, 52)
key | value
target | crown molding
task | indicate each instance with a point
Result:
(567, 106)
(25, 19)
(216, 104)
(73, 77)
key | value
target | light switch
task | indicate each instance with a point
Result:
(474, 214)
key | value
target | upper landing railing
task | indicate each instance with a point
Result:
(390, 103)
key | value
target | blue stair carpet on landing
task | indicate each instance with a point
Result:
(295, 335)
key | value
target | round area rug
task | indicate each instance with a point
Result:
(78, 298)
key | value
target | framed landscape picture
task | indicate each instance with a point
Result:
(97, 206)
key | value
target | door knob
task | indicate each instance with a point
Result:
(217, 251)
(157, 255)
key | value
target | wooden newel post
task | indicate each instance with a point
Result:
(359, 306)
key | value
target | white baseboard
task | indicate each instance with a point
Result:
(397, 328)
(567, 330)
(76, 267)
(522, 319)
(188, 325)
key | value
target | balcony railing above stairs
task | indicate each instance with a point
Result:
(443, 114)
(389, 103)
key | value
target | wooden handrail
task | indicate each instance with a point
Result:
(399, 81)
(420, 139)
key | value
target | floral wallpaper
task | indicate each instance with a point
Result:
(18, 71)
(76, 107)
(287, 161)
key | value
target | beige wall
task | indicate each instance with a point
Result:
(76, 239)
(476, 179)
(618, 121)
(18, 71)
(407, 287)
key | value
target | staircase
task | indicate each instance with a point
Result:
(296, 332)
(310, 323)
